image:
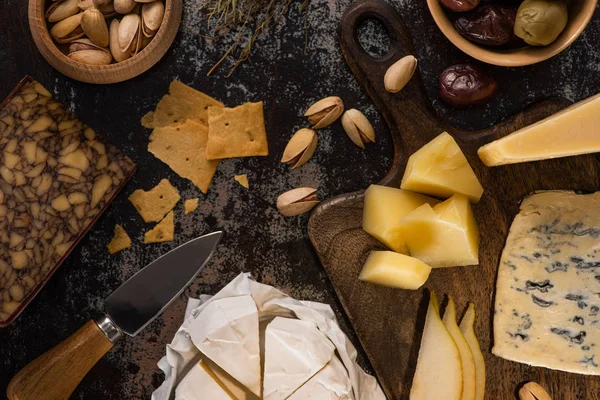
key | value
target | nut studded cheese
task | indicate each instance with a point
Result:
(547, 309)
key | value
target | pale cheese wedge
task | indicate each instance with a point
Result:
(199, 384)
(570, 132)
(383, 209)
(234, 388)
(226, 331)
(295, 350)
(397, 270)
(330, 383)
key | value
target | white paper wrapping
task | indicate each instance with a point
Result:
(182, 354)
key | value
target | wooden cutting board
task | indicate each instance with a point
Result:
(389, 322)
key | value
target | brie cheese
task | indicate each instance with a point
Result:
(295, 350)
(330, 383)
(226, 331)
(198, 384)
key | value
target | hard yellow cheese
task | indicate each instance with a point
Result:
(441, 169)
(395, 270)
(570, 132)
(443, 236)
(383, 209)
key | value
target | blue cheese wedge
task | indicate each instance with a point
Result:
(547, 310)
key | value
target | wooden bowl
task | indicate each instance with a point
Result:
(580, 13)
(116, 72)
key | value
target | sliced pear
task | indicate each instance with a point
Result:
(466, 327)
(396, 270)
(466, 356)
(441, 169)
(384, 207)
(439, 371)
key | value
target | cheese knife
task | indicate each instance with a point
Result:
(136, 303)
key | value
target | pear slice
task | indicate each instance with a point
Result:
(466, 356)
(466, 327)
(439, 371)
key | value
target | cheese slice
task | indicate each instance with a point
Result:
(295, 350)
(198, 384)
(226, 331)
(234, 388)
(570, 132)
(547, 309)
(330, 383)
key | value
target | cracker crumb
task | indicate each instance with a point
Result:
(164, 231)
(242, 180)
(190, 205)
(120, 240)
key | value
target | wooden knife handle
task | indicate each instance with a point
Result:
(55, 374)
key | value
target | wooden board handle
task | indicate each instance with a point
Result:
(408, 113)
(55, 374)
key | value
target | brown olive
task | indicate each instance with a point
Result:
(490, 25)
(460, 5)
(464, 85)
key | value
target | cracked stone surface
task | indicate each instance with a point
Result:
(257, 239)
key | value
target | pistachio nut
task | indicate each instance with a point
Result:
(129, 31)
(144, 1)
(68, 29)
(108, 10)
(98, 3)
(87, 52)
(325, 111)
(124, 6)
(300, 148)
(533, 391)
(94, 26)
(116, 52)
(152, 16)
(85, 4)
(61, 10)
(399, 73)
(358, 128)
(297, 201)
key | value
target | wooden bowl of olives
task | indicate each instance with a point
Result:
(512, 33)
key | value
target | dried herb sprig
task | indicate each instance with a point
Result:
(246, 20)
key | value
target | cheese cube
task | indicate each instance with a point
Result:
(383, 209)
(443, 236)
(391, 269)
(441, 169)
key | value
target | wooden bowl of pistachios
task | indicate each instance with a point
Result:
(104, 41)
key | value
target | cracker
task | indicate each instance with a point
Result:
(181, 147)
(154, 204)
(182, 102)
(236, 132)
(164, 231)
(120, 240)
(190, 205)
(242, 180)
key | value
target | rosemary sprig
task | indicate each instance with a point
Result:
(246, 20)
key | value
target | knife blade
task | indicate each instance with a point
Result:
(130, 308)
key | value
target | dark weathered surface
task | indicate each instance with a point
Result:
(273, 248)
(335, 228)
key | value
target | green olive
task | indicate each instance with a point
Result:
(539, 22)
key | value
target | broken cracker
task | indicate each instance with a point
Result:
(164, 231)
(236, 132)
(120, 240)
(181, 103)
(242, 180)
(181, 147)
(190, 205)
(154, 204)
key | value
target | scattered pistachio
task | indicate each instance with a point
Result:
(300, 148)
(533, 391)
(399, 73)
(325, 111)
(358, 128)
(94, 26)
(297, 201)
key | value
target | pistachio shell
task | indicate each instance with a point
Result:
(128, 32)
(297, 201)
(91, 57)
(83, 44)
(124, 6)
(325, 111)
(94, 26)
(116, 52)
(61, 10)
(358, 128)
(399, 73)
(68, 29)
(98, 3)
(85, 4)
(144, 1)
(300, 148)
(152, 16)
